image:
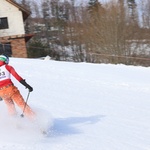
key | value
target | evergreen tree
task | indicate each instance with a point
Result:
(26, 4)
(94, 6)
(36, 49)
(132, 10)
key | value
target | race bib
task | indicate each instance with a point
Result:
(4, 73)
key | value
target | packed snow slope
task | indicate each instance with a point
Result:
(83, 106)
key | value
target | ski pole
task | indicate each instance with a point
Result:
(22, 115)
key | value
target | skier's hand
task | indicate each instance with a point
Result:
(26, 85)
(1, 99)
(29, 87)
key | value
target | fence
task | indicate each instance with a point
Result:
(136, 60)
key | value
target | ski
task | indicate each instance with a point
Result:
(45, 133)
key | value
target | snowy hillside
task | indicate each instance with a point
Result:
(83, 106)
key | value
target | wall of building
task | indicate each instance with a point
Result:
(15, 20)
(19, 48)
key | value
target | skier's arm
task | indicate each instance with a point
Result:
(13, 72)
(18, 77)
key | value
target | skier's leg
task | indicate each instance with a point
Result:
(5, 94)
(18, 99)
(10, 105)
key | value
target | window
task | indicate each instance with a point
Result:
(6, 49)
(3, 23)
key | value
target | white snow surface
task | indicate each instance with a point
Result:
(83, 106)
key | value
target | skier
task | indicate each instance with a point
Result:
(9, 92)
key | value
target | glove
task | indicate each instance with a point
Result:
(1, 99)
(23, 82)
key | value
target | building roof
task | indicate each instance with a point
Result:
(25, 12)
(27, 37)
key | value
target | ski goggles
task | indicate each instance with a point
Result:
(2, 59)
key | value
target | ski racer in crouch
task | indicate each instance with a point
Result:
(9, 92)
